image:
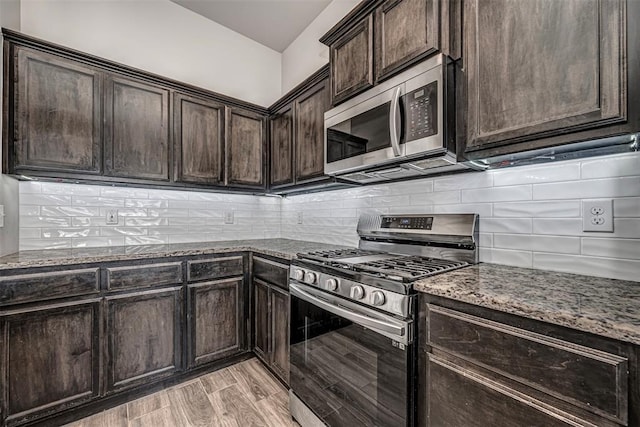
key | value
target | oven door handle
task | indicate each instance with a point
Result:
(391, 328)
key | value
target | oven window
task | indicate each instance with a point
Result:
(346, 374)
(361, 134)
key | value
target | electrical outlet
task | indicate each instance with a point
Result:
(228, 217)
(112, 216)
(299, 218)
(1, 216)
(597, 215)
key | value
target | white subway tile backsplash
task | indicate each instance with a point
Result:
(628, 207)
(506, 225)
(589, 188)
(69, 211)
(530, 215)
(612, 248)
(614, 268)
(497, 194)
(54, 233)
(554, 209)
(464, 181)
(95, 201)
(528, 242)
(507, 257)
(44, 200)
(563, 171)
(627, 164)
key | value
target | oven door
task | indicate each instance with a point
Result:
(350, 365)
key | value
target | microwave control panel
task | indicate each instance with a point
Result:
(421, 109)
(407, 223)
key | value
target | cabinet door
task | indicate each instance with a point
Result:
(310, 109)
(282, 146)
(50, 358)
(280, 332)
(261, 319)
(58, 114)
(545, 70)
(215, 323)
(405, 30)
(136, 130)
(144, 337)
(352, 61)
(245, 148)
(199, 140)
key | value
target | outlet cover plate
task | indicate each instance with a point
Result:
(299, 217)
(228, 217)
(597, 215)
(112, 217)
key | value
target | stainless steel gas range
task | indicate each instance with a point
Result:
(352, 336)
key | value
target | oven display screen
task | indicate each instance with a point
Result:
(411, 223)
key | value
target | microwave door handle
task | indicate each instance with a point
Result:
(394, 112)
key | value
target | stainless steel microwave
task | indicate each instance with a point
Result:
(402, 127)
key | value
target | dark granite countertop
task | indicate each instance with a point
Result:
(281, 248)
(605, 307)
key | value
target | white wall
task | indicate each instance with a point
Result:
(306, 54)
(9, 18)
(530, 216)
(161, 37)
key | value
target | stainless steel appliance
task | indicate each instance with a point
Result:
(352, 340)
(403, 127)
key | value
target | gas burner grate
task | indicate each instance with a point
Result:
(408, 269)
(335, 254)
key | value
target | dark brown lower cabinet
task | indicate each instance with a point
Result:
(49, 358)
(144, 337)
(215, 328)
(271, 323)
(478, 367)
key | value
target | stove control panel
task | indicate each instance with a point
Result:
(384, 300)
(407, 222)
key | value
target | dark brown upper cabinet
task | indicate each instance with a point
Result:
(309, 131)
(297, 134)
(199, 140)
(136, 129)
(281, 159)
(352, 61)
(536, 72)
(405, 30)
(57, 114)
(245, 148)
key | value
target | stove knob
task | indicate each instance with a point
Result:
(357, 292)
(377, 298)
(332, 284)
(310, 278)
(298, 275)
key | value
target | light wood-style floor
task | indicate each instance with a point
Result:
(242, 395)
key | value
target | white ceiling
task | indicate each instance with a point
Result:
(273, 23)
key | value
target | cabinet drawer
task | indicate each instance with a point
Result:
(591, 379)
(42, 286)
(459, 397)
(271, 271)
(138, 276)
(214, 268)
